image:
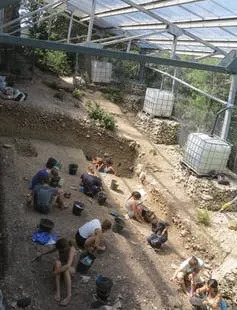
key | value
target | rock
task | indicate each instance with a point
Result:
(85, 279)
(7, 146)
(232, 225)
(159, 130)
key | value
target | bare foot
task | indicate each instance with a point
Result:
(57, 297)
(65, 301)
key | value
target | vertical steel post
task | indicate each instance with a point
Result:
(230, 103)
(173, 56)
(70, 28)
(92, 17)
(129, 46)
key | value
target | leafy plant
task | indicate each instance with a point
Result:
(77, 93)
(153, 152)
(204, 216)
(105, 119)
(54, 61)
(113, 94)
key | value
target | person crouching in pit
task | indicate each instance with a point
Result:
(90, 235)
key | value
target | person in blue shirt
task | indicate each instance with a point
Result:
(45, 172)
(44, 196)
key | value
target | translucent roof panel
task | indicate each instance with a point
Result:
(207, 22)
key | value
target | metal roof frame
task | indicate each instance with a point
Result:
(141, 58)
(147, 5)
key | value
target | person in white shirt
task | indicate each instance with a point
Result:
(90, 235)
(189, 271)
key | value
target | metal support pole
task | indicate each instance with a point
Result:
(230, 103)
(129, 46)
(173, 56)
(92, 17)
(70, 28)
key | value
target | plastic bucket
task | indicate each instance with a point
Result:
(73, 169)
(114, 185)
(46, 225)
(77, 208)
(118, 225)
(103, 287)
(86, 260)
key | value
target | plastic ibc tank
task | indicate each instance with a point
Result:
(158, 102)
(204, 154)
(101, 72)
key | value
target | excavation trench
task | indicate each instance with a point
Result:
(21, 121)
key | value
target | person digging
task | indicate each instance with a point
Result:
(188, 274)
(90, 235)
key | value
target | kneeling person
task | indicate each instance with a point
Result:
(90, 235)
(44, 196)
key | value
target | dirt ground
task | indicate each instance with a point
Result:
(45, 127)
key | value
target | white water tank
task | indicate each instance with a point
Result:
(101, 71)
(204, 154)
(158, 102)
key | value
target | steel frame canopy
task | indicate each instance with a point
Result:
(198, 20)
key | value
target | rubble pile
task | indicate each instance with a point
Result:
(206, 193)
(162, 131)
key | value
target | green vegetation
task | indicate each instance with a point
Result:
(204, 216)
(105, 119)
(77, 93)
(54, 61)
(153, 152)
(113, 94)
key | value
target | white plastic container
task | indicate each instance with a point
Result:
(158, 102)
(204, 154)
(101, 72)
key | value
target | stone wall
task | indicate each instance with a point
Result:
(161, 131)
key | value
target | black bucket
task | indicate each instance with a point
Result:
(77, 208)
(118, 225)
(103, 287)
(73, 169)
(86, 260)
(46, 225)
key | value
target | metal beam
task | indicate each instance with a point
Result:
(107, 38)
(34, 22)
(152, 5)
(70, 28)
(230, 103)
(187, 24)
(27, 15)
(189, 85)
(6, 3)
(165, 21)
(73, 48)
(91, 23)
(220, 43)
(143, 35)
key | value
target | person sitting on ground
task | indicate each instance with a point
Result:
(134, 206)
(10, 93)
(107, 167)
(188, 273)
(91, 183)
(44, 196)
(98, 162)
(45, 172)
(207, 297)
(63, 266)
(90, 235)
(160, 234)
